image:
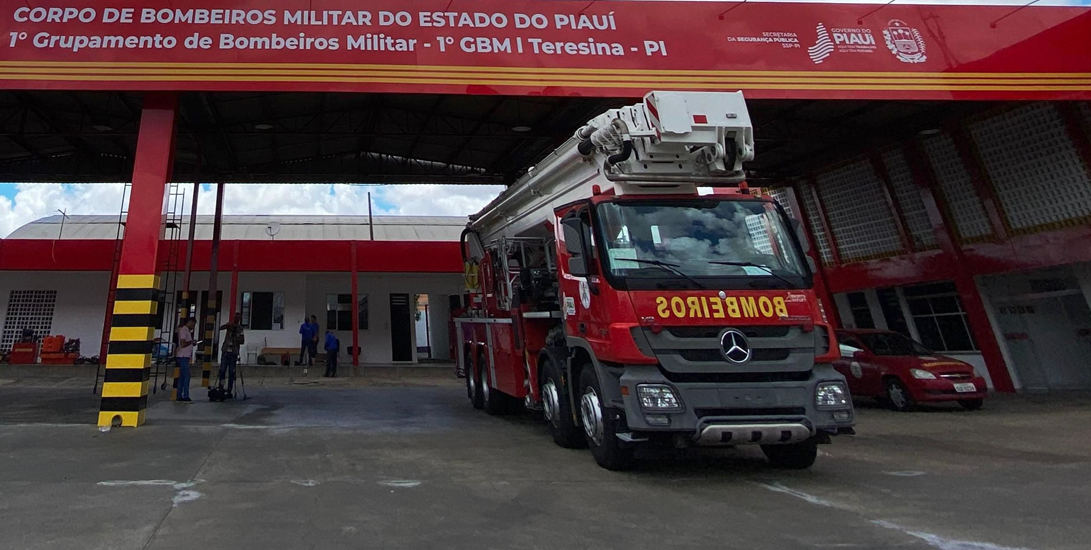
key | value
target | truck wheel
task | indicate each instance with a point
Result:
(491, 400)
(556, 409)
(793, 456)
(599, 425)
(472, 389)
(971, 404)
(898, 396)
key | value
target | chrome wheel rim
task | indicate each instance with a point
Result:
(897, 396)
(591, 414)
(551, 401)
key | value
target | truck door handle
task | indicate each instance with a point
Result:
(583, 328)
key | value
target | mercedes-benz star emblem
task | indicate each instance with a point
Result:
(734, 346)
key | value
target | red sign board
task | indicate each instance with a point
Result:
(596, 48)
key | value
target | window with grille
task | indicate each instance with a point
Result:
(28, 309)
(783, 199)
(811, 207)
(957, 186)
(262, 310)
(857, 212)
(909, 200)
(940, 318)
(1030, 148)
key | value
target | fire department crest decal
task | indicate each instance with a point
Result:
(905, 42)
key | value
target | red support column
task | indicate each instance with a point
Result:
(982, 185)
(821, 289)
(355, 310)
(964, 280)
(823, 220)
(136, 307)
(892, 202)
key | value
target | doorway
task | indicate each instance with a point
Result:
(401, 328)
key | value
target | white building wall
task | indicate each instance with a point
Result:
(81, 304)
(80, 307)
(375, 342)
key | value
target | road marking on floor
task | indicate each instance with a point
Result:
(944, 543)
(777, 487)
(183, 488)
(137, 482)
(305, 482)
(400, 483)
(906, 473)
(185, 496)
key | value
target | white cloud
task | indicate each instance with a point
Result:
(34, 201)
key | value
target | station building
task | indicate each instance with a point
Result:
(407, 269)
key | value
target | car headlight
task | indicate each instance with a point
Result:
(921, 374)
(658, 397)
(831, 395)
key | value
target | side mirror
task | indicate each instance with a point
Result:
(573, 236)
(811, 264)
(577, 266)
(576, 245)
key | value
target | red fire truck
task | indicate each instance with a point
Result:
(635, 290)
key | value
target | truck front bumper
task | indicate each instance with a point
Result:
(713, 413)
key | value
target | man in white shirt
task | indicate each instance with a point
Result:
(183, 355)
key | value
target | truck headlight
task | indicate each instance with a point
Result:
(920, 374)
(831, 395)
(658, 397)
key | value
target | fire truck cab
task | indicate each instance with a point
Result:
(636, 291)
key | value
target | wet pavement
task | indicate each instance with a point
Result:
(407, 463)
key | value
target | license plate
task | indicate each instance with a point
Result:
(965, 388)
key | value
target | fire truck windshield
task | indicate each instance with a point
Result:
(718, 243)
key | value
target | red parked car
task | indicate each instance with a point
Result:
(902, 372)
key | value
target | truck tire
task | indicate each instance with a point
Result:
(472, 388)
(556, 410)
(599, 425)
(898, 396)
(491, 399)
(793, 456)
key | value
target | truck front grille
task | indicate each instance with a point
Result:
(708, 355)
(757, 411)
(763, 331)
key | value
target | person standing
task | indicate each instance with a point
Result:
(306, 336)
(229, 358)
(183, 354)
(312, 346)
(333, 349)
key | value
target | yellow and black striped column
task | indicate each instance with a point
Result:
(210, 337)
(129, 356)
(136, 302)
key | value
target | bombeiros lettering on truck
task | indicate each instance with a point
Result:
(607, 291)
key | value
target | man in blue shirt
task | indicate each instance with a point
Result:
(333, 348)
(308, 333)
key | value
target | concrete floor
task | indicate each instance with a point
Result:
(398, 465)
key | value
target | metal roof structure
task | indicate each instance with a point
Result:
(254, 228)
(271, 137)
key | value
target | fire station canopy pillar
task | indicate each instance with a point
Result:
(128, 360)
